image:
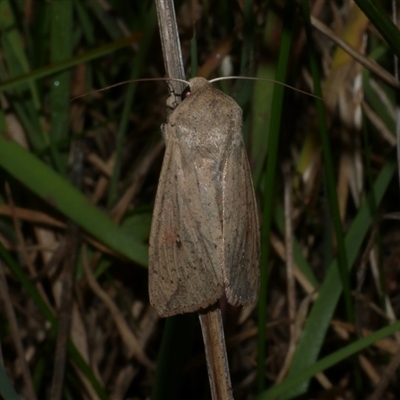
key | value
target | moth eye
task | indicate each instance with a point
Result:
(186, 93)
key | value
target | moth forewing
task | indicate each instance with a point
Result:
(185, 224)
(240, 223)
(204, 237)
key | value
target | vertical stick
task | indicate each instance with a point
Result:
(171, 46)
(211, 321)
(217, 360)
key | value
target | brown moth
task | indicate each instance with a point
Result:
(204, 239)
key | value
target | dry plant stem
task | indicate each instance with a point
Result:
(30, 392)
(379, 124)
(171, 46)
(125, 201)
(298, 323)
(290, 289)
(217, 362)
(386, 377)
(289, 248)
(129, 196)
(211, 321)
(365, 61)
(30, 215)
(64, 312)
(53, 265)
(24, 250)
(280, 249)
(128, 337)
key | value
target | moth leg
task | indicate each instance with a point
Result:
(164, 133)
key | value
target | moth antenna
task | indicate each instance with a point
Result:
(129, 81)
(223, 78)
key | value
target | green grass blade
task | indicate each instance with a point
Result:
(85, 22)
(60, 49)
(138, 66)
(269, 185)
(48, 185)
(27, 100)
(375, 12)
(27, 284)
(329, 361)
(175, 348)
(12, 39)
(109, 24)
(298, 256)
(7, 390)
(46, 312)
(69, 63)
(262, 104)
(329, 169)
(318, 320)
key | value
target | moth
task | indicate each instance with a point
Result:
(204, 239)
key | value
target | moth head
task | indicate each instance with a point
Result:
(195, 84)
(186, 92)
